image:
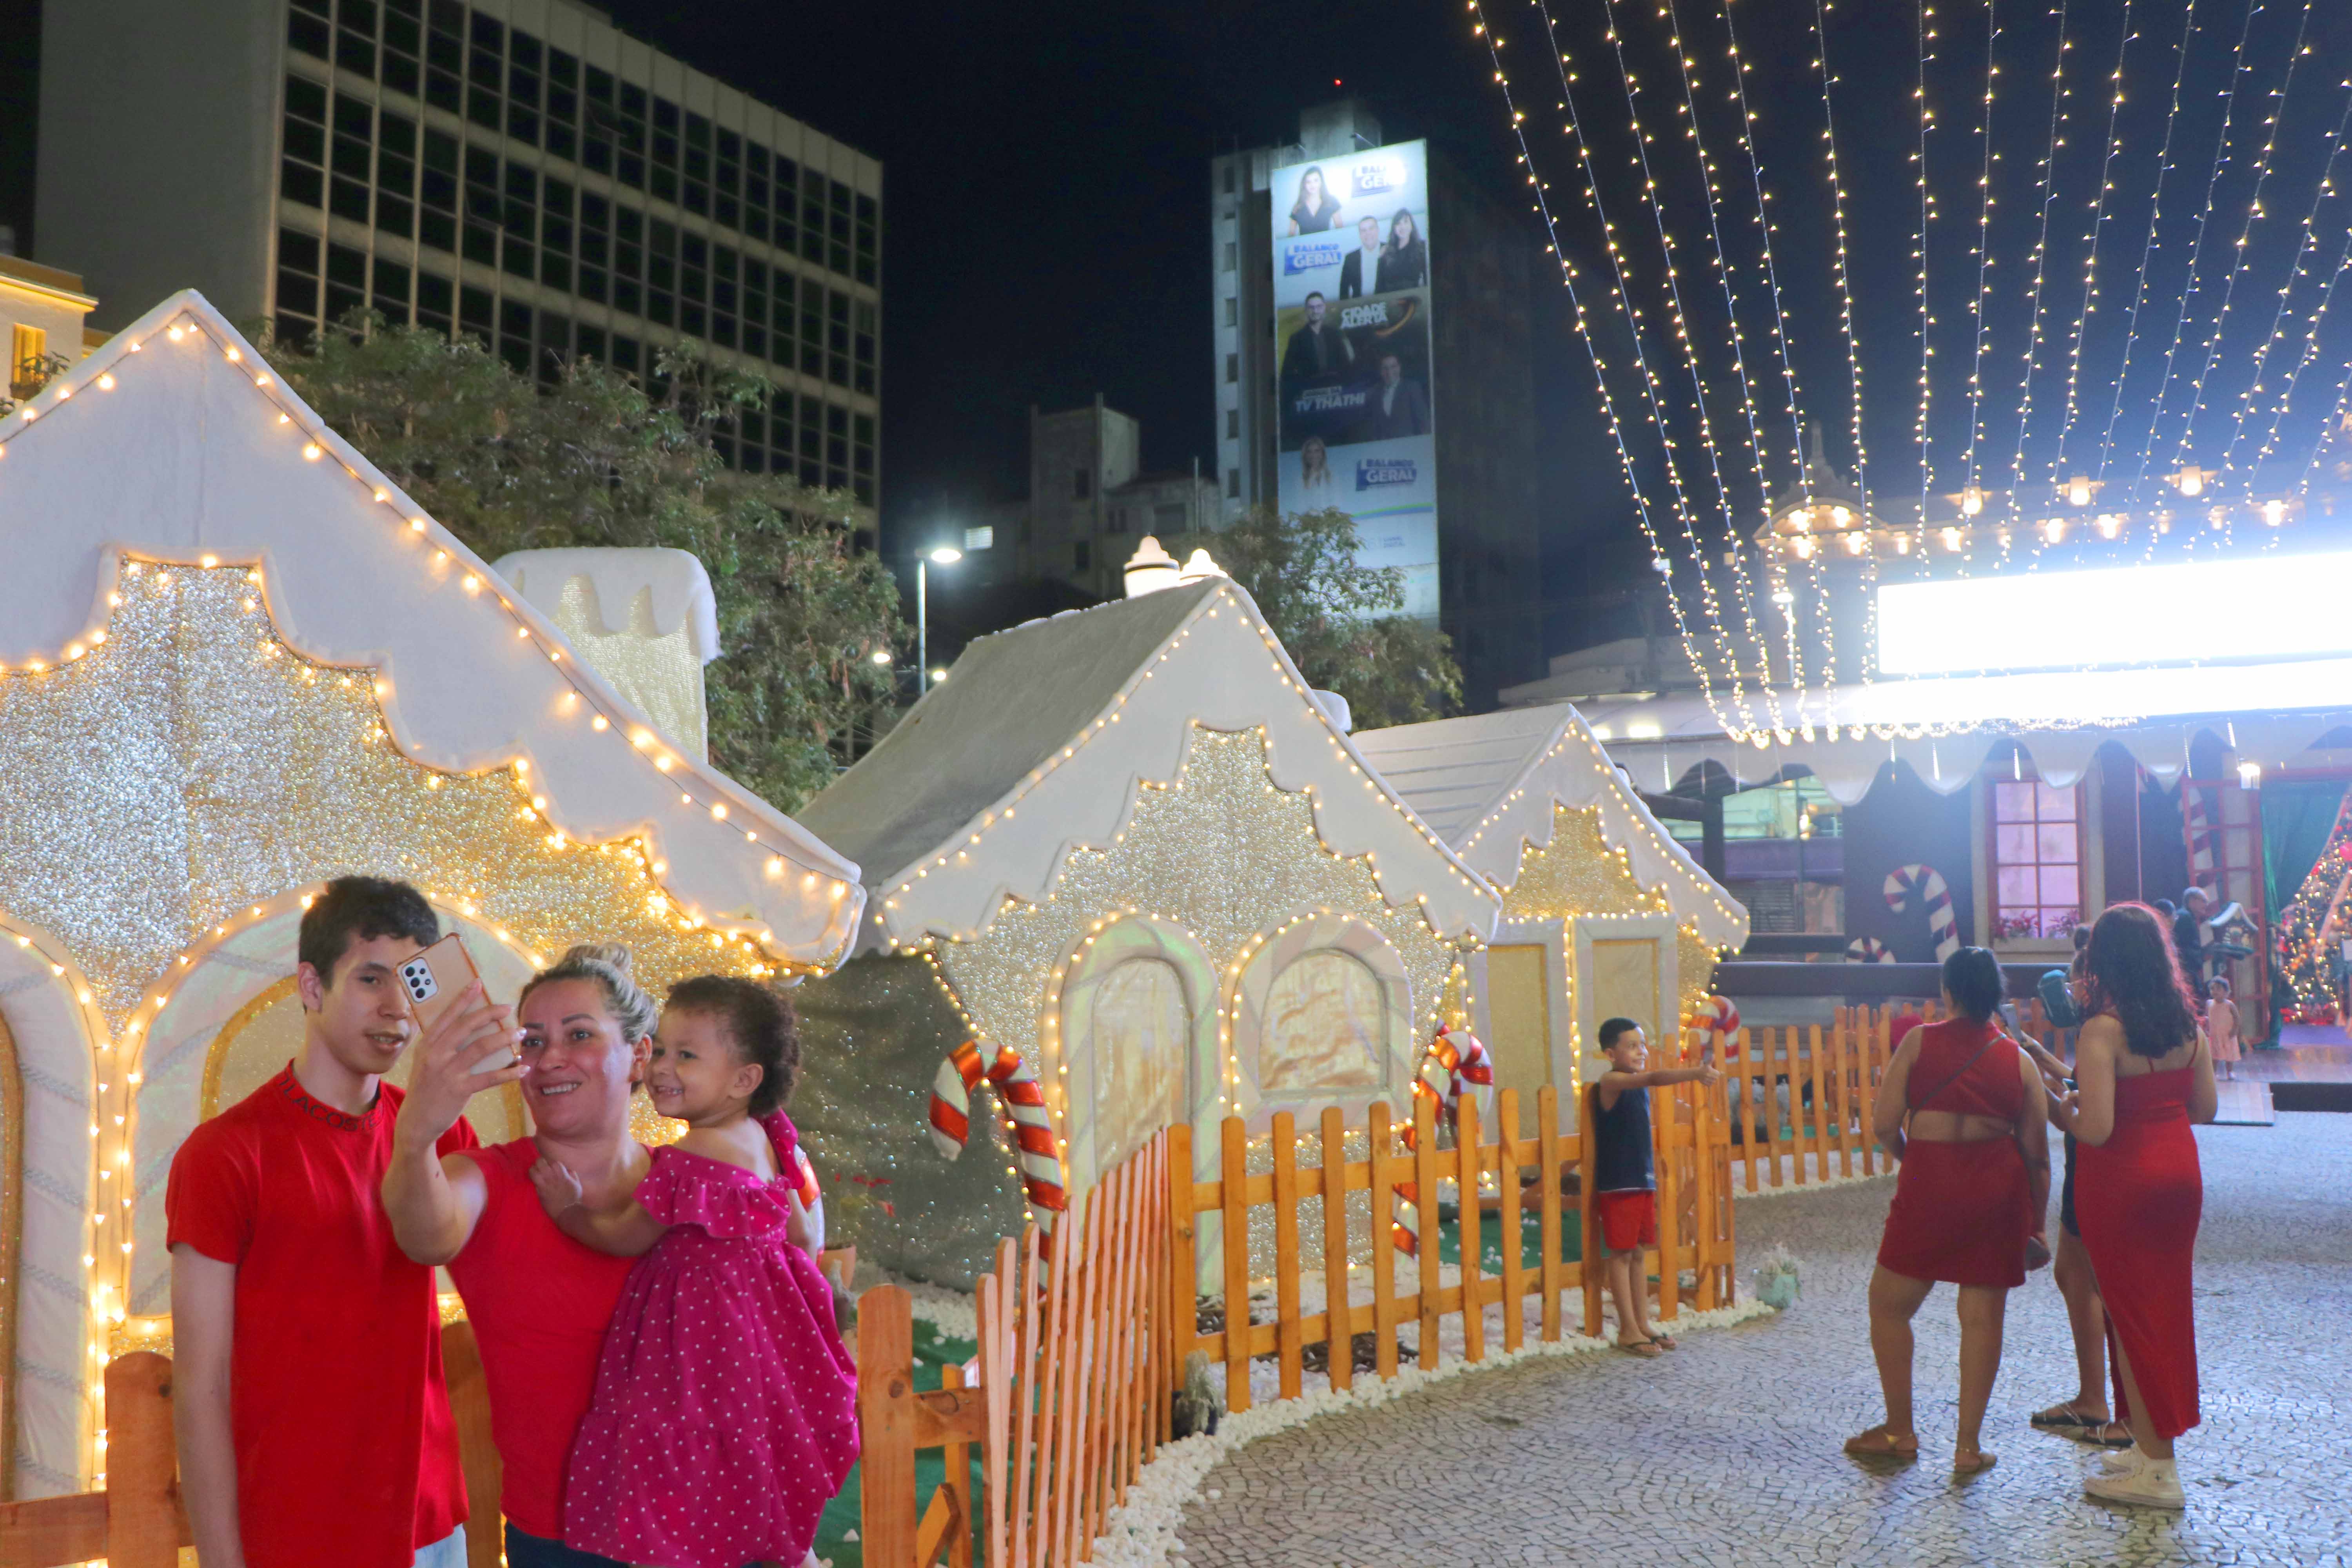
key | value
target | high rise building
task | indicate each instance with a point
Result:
(1461, 307)
(516, 170)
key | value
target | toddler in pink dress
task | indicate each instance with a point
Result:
(725, 1416)
(2222, 1026)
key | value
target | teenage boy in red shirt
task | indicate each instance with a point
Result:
(312, 1421)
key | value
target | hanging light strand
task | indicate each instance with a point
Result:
(2148, 250)
(2090, 236)
(2240, 254)
(2306, 246)
(2192, 287)
(2049, 187)
(1651, 391)
(1844, 289)
(1743, 599)
(1921, 436)
(1978, 332)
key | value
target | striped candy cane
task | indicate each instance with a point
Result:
(1456, 1061)
(1016, 1089)
(1926, 884)
(1868, 950)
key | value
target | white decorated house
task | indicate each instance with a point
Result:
(1604, 913)
(1131, 845)
(235, 662)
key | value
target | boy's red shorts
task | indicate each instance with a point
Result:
(1628, 1220)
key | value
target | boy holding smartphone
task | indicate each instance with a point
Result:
(312, 1421)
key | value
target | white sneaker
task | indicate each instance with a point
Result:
(2155, 1484)
(2121, 1461)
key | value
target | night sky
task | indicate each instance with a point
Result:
(1045, 208)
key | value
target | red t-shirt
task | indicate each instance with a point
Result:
(345, 1450)
(539, 1302)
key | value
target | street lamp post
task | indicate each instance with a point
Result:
(944, 555)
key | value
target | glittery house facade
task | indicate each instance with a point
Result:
(234, 662)
(1604, 914)
(1131, 844)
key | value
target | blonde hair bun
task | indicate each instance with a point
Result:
(610, 954)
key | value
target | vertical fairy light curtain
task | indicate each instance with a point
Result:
(2137, 173)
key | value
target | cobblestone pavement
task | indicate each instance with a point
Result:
(1726, 1450)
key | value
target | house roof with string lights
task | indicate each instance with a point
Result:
(1041, 740)
(1491, 785)
(234, 469)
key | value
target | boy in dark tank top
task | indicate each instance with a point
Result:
(1625, 1183)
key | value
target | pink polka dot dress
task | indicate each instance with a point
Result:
(725, 1416)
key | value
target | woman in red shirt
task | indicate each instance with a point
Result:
(538, 1300)
(2145, 1073)
(1964, 1110)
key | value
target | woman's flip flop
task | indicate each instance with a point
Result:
(1966, 1462)
(1664, 1342)
(2065, 1419)
(1878, 1443)
(1642, 1348)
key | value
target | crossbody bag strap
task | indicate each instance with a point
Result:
(1911, 1105)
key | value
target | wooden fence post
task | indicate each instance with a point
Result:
(1466, 1182)
(886, 1423)
(1183, 1281)
(142, 1485)
(1384, 1306)
(1667, 1201)
(1551, 1161)
(1508, 1159)
(1339, 1320)
(1424, 1178)
(1286, 1253)
(1588, 1233)
(1234, 1171)
(957, 1485)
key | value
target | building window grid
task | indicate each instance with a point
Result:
(368, 171)
(2037, 858)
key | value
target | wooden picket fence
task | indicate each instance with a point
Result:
(1081, 1352)
(1502, 1177)
(1071, 1397)
(1829, 1078)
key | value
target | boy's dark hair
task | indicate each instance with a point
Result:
(1612, 1028)
(760, 1024)
(360, 909)
(2082, 937)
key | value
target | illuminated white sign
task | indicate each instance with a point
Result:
(2241, 609)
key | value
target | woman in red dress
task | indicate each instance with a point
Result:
(1963, 1111)
(2145, 1073)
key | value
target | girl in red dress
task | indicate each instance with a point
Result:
(1963, 1109)
(2145, 1073)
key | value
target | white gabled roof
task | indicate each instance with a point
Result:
(1489, 783)
(176, 442)
(1040, 738)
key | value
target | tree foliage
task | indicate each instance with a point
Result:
(1343, 623)
(596, 459)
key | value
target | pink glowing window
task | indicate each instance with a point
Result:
(2037, 858)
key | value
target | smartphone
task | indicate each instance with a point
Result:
(434, 979)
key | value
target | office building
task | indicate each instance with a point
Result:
(1472, 351)
(515, 170)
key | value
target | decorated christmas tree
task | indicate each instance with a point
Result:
(2312, 927)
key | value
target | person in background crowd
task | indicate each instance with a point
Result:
(539, 1302)
(2084, 1417)
(1625, 1184)
(2222, 1026)
(1962, 1109)
(313, 1422)
(2189, 936)
(2146, 1074)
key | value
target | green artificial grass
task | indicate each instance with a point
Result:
(1490, 1238)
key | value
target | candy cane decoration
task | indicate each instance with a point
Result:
(1719, 1019)
(1868, 950)
(1926, 884)
(2197, 824)
(1456, 1061)
(1016, 1089)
